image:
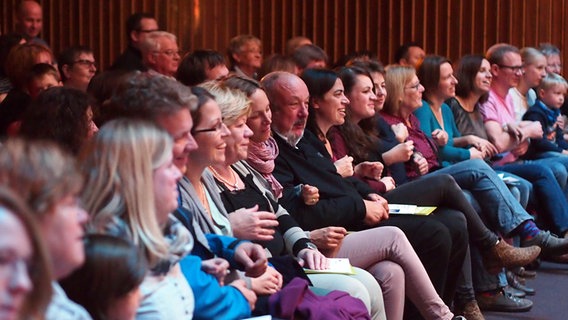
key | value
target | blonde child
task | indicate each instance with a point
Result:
(551, 94)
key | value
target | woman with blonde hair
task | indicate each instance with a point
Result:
(131, 190)
(26, 292)
(48, 181)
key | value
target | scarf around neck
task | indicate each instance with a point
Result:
(261, 157)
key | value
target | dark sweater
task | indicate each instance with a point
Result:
(552, 139)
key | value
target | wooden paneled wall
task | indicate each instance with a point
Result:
(446, 27)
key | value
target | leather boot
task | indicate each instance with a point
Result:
(503, 255)
(470, 311)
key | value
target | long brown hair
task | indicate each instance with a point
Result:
(360, 144)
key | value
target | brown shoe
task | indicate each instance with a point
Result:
(503, 255)
(470, 311)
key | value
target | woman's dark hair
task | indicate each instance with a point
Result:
(319, 82)
(370, 65)
(59, 114)
(429, 73)
(113, 268)
(192, 68)
(465, 71)
(202, 97)
(360, 143)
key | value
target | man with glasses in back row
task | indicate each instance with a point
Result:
(138, 26)
(160, 53)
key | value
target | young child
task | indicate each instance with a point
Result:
(42, 76)
(546, 110)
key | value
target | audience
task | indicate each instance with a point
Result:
(200, 66)
(245, 55)
(7, 42)
(77, 66)
(160, 53)
(309, 56)
(409, 54)
(185, 185)
(18, 66)
(42, 76)
(277, 62)
(138, 26)
(29, 21)
(48, 181)
(112, 272)
(62, 115)
(295, 42)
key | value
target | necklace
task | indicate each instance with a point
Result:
(234, 185)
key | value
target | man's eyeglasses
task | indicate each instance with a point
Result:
(87, 63)
(217, 128)
(170, 53)
(147, 31)
(515, 69)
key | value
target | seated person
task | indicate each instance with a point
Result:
(144, 216)
(347, 202)
(123, 269)
(42, 77)
(48, 181)
(245, 55)
(200, 196)
(546, 110)
(25, 277)
(62, 115)
(200, 66)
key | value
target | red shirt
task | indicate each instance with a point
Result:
(422, 143)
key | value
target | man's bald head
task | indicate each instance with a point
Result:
(29, 18)
(289, 97)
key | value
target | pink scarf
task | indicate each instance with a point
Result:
(261, 157)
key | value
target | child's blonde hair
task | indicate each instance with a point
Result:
(551, 80)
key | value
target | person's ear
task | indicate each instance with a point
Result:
(66, 71)
(236, 57)
(314, 102)
(134, 36)
(540, 92)
(494, 69)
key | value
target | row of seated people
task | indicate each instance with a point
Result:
(329, 162)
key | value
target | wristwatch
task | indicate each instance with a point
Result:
(312, 246)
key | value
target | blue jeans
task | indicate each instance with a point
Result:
(550, 196)
(557, 162)
(499, 207)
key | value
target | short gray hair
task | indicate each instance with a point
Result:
(151, 43)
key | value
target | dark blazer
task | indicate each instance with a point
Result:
(341, 200)
(130, 60)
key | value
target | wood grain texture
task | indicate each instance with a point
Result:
(446, 27)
